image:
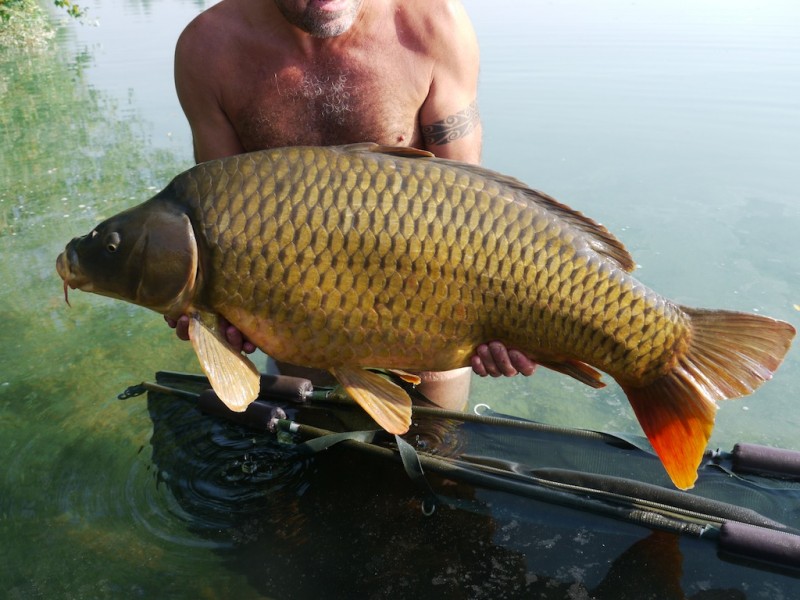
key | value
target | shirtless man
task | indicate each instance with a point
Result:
(255, 74)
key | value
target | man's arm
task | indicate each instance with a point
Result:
(197, 77)
(449, 118)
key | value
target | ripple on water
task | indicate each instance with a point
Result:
(200, 482)
(208, 478)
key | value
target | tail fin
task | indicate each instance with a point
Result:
(730, 355)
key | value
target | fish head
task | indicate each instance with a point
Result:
(146, 255)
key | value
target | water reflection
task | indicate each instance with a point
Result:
(663, 120)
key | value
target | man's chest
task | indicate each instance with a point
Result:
(327, 104)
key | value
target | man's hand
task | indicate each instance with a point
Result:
(495, 359)
(233, 335)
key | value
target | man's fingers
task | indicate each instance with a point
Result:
(182, 328)
(477, 365)
(235, 337)
(238, 341)
(486, 364)
(495, 360)
(522, 363)
(501, 359)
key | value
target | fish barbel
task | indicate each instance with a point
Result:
(349, 257)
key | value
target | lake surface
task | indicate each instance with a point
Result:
(676, 124)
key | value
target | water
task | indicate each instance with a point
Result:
(676, 124)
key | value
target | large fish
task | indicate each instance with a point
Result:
(360, 256)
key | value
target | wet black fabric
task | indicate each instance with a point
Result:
(347, 523)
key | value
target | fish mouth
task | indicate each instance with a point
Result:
(67, 268)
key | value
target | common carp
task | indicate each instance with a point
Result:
(349, 257)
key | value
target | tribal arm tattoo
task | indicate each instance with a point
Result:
(452, 128)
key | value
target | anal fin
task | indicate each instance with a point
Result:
(575, 369)
(406, 376)
(233, 376)
(383, 400)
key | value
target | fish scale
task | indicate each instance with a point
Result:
(362, 239)
(365, 256)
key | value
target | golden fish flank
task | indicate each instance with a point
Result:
(363, 256)
(461, 260)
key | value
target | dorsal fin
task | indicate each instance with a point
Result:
(403, 151)
(600, 239)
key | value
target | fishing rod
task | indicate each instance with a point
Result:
(737, 531)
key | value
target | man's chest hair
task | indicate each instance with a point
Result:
(330, 105)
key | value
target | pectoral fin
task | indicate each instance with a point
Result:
(383, 400)
(233, 376)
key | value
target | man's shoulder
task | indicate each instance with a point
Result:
(216, 24)
(440, 8)
(435, 24)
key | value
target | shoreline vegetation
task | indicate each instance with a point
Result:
(25, 24)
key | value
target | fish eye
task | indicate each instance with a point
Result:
(112, 241)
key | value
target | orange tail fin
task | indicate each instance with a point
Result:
(730, 355)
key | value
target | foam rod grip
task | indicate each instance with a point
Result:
(761, 544)
(763, 460)
(258, 414)
(283, 387)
